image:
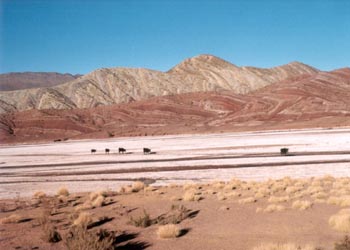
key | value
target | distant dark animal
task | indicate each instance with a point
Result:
(284, 151)
(56, 140)
(122, 150)
(146, 151)
(93, 151)
(107, 151)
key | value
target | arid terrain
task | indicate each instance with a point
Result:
(293, 213)
(321, 100)
(215, 176)
(229, 189)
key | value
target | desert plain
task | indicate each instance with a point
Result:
(218, 191)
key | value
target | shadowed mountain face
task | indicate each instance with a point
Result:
(321, 99)
(124, 85)
(27, 80)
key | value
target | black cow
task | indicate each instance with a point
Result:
(121, 150)
(107, 151)
(146, 151)
(93, 151)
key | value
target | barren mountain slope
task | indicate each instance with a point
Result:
(27, 80)
(322, 100)
(122, 85)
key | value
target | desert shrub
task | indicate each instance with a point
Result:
(191, 195)
(247, 200)
(274, 208)
(141, 221)
(188, 186)
(83, 220)
(39, 195)
(218, 185)
(93, 196)
(341, 221)
(319, 195)
(176, 214)
(343, 245)
(125, 190)
(63, 191)
(342, 201)
(85, 206)
(221, 196)
(168, 231)
(278, 199)
(259, 195)
(62, 199)
(13, 218)
(287, 246)
(50, 234)
(137, 186)
(150, 189)
(301, 205)
(99, 201)
(293, 189)
(314, 189)
(81, 239)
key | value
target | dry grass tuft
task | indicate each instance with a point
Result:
(288, 246)
(319, 195)
(141, 221)
(168, 231)
(247, 200)
(39, 195)
(221, 196)
(13, 218)
(125, 190)
(63, 191)
(99, 201)
(191, 195)
(293, 189)
(83, 220)
(93, 196)
(137, 186)
(343, 245)
(82, 239)
(50, 234)
(342, 201)
(188, 186)
(274, 208)
(341, 221)
(302, 205)
(278, 199)
(85, 206)
(218, 185)
(150, 189)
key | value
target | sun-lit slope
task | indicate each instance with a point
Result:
(326, 94)
(322, 100)
(123, 85)
(214, 73)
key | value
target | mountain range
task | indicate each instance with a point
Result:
(26, 80)
(199, 95)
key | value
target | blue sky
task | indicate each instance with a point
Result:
(80, 36)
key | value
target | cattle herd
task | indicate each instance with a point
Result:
(123, 151)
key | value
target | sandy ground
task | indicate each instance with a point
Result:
(27, 168)
(213, 222)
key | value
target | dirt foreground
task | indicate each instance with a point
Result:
(235, 214)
